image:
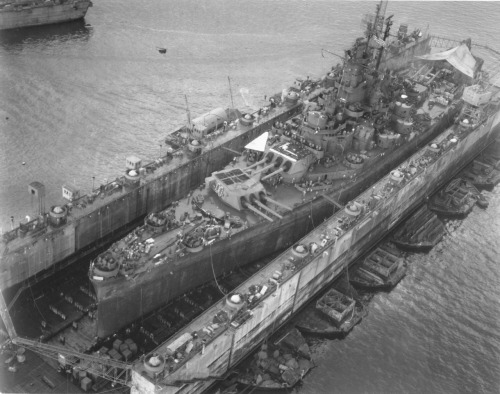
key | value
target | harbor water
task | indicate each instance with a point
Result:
(438, 331)
(76, 99)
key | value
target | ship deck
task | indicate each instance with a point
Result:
(165, 245)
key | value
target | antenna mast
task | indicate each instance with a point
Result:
(388, 24)
(375, 22)
(230, 92)
(187, 111)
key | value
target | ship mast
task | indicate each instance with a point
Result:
(230, 92)
(188, 113)
(388, 24)
(377, 23)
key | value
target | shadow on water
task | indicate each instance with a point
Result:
(14, 39)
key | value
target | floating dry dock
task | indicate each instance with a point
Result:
(221, 337)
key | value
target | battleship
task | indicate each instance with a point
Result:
(24, 13)
(352, 154)
(358, 124)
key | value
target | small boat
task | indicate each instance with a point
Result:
(162, 50)
(278, 366)
(455, 200)
(381, 270)
(481, 174)
(334, 315)
(420, 232)
(481, 200)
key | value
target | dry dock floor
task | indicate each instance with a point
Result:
(29, 375)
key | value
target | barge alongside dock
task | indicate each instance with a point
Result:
(334, 315)
(455, 200)
(382, 269)
(420, 232)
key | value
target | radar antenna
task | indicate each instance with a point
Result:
(374, 23)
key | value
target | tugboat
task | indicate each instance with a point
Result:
(381, 270)
(419, 233)
(455, 200)
(278, 366)
(334, 315)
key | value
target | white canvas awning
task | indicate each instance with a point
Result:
(459, 57)
(258, 144)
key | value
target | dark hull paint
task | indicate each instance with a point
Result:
(449, 214)
(423, 247)
(318, 326)
(387, 286)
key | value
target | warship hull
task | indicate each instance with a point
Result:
(43, 14)
(120, 301)
(232, 344)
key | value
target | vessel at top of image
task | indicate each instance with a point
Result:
(24, 13)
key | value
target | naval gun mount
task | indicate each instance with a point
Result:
(241, 189)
